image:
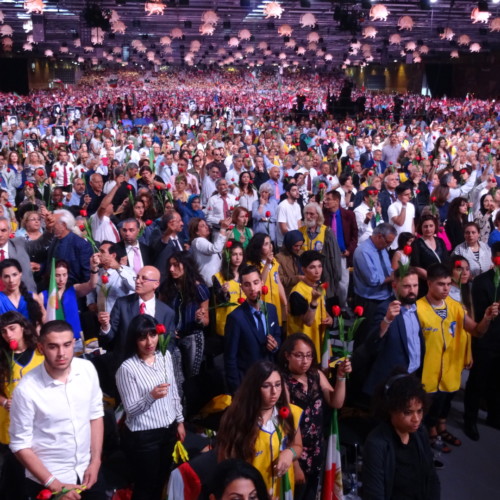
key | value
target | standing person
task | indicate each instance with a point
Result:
(18, 356)
(372, 270)
(226, 285)
(397, 460)
(250, 334)
(484, 377)
(264, 212)
(446, 328)
(307, 301)
(456, 220)
(290, 270)
(311, 391)
(401, 213)
(343, 225)
(288, 215)
(59, 401)
(260, 254)
(240, 231)
(253, 428)
(475, 251)
(147, 385)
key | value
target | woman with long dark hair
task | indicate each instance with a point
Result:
(226, 284)
(311, 391)
(16, 297)
(186, 293)
(483, 217)
(246, 192)
(261, 427)
(397, 459)
(18, 356)
(260, 254)
(148, 390)
(456, 220)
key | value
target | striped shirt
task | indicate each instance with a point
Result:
(135, 380)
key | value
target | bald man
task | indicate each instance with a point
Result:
(114, 326)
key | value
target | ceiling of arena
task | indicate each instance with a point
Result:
(117, 31)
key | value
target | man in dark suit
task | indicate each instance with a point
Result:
(484, 377)
(249, 335)
(387, 195)
(376, 163)
(137, 254)
(344, 227)
(114, 325)
(396, 338)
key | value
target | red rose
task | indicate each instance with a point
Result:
(322, 186)
(358, 311)
(53, 175)
(59, 204)
(336, 311)
(8, 170)
(496, 261)
(265, 290)
(12, 236)
(13, 345)
(390, 163)
(160, 329)
(463, 171)
(83, 213)
(169, 186)
(105, 279)
(268, 214)
(130, 147)
(407, 250)
(370, 173)
(231, 207)
(232, 179)
(433, 199)
(81, 227)
(417, 191)
(229, 244)
(40, 172)
(28, 184)
(251, 181)
(181, 169)
(247, 156)
(237, 198)
(324, 286)
(45, 494)
(458, 263)
(130, 187)
(162, 164)
(8, 204)
(284, 412)
(241, 300)
(148, 222)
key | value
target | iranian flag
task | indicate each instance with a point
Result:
(325, 351)
(54, 306)
(332, 479)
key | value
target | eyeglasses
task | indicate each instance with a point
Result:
(145, 335)
(301, 355)
(34, 220)
(143, 278)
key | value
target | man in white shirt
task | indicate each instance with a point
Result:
(368, 214)
(233, 174)
(63, 170)
(56, 419)
(168, 169)
(220, 205)
(288, 215)
(402, 213)
(209, 184)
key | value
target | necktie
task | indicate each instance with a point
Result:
(382, 264)
(334, 223)
(65, 174)
(309, 185)
(177, 244)
(260, 322)
(393, 197)
(225, 207)
(137, 260)
(142, 308)
(2, 254)
(115, 232)
(277, 192)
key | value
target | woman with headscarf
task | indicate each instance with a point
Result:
(290, 270)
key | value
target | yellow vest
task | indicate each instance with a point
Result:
(17, 373)
(447, 346)
(318, 243)
(273, 296)
(221, 313)
(267, 450)
(317, 329)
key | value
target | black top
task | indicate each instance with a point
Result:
(408, 479)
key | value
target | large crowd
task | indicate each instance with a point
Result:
(230, 259)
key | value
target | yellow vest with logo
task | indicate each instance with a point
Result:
(318, 243)
(221, 313)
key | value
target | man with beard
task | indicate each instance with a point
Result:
(397, 340)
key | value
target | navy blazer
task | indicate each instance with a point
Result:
(243, 345)
(124, 310)
(390, 351)
(145, 254)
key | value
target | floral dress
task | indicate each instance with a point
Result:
(311, 423)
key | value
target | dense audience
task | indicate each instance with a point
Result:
(186, 231)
